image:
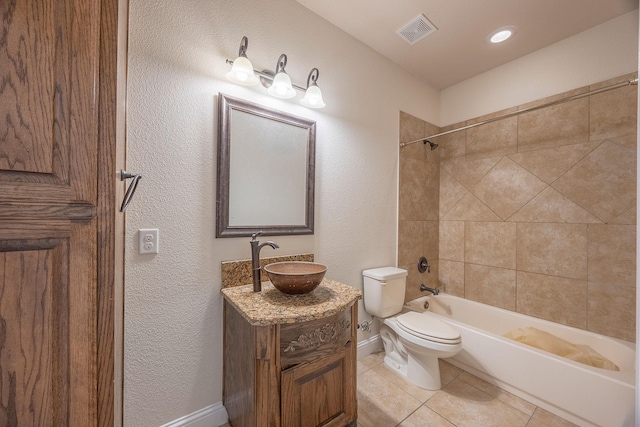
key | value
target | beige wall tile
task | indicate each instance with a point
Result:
(432, 186)
(603, 183)
(451, 240)
(551, 206)
(612, 254)
(612, 310)
(430, 248)
(490, 243)
(470, 172)
(414, 279)
(628, 217)
(412, 128)
(490, 285)
(451, 191)
(413, 199)
(474, 181)
(507, 187)
(629, 141)
(410, 241)
(550, 163)
(492, 139)
(613, 113)
(553, 249)
(470, 208)
(451, 147)
(451, 274)
(553, 298)
(562, 124)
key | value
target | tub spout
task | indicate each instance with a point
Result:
(434, 291)
(255, 259)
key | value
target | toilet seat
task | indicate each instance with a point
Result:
(428, 327)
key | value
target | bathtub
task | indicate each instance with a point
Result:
(582, 394)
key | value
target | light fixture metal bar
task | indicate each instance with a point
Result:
(269, 76)
(526, 110)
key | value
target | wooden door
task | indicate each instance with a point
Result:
(58, 216)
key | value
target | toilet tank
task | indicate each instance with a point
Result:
(384, 290)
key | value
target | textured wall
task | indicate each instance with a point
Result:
(177, 52)
(537, 212)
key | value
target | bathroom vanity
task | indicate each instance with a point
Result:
(290, 360)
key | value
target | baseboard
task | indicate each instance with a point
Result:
(210, 416)
(369, 346)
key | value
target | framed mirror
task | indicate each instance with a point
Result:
(266, 171)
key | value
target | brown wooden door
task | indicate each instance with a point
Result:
(57, 211)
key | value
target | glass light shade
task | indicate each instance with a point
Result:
(313, 98)
(281, 86)
(242, 72)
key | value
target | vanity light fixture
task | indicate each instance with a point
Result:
(501, 34)
(313, 95)
(281, 85)
(278, 84)
(242, 69)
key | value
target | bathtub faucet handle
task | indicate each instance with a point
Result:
(434, 291)
(423, 265)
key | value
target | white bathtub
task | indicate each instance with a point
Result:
(582, 394)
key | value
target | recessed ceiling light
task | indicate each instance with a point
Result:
(501, 34)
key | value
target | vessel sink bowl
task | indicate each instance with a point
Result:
(295, 277)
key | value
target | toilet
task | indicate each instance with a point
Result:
(413, 342)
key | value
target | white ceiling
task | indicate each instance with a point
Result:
(458, 50)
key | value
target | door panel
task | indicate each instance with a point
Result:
(48, 100)
(58, 212)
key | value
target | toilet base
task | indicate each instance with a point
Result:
(423, 372)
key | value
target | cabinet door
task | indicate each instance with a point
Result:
(320, 393)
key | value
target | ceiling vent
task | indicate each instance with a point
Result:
(417, 29)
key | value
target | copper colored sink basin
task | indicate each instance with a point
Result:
(295, 277)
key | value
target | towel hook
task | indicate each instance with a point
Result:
(128, 195)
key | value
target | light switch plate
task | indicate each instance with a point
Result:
(148, 242)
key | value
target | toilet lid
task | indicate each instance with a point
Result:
(428, 327)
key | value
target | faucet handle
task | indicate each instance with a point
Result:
(255, 235)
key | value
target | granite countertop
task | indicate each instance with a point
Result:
(271, 306)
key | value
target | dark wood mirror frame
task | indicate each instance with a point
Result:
(226, 105)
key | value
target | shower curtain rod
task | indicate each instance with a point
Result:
(525, 110)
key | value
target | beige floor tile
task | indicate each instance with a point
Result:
(425, 417)
(495, 391)
(381, 404)
(448, 372)
(542, 418)
(372, 360)
(394, 378)
(465, 405)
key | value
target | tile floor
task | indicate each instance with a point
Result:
(385, 399)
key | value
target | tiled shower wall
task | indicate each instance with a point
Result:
(535, 213)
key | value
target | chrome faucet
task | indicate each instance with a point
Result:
(255, 259)
(424, 288)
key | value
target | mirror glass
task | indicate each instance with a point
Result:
(266, 171)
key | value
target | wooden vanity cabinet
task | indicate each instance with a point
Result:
(290, 375)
